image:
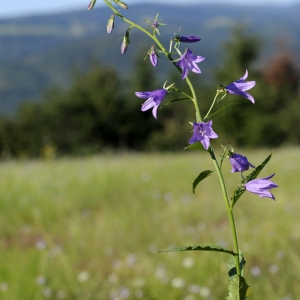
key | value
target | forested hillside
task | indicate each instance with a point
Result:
(41, 51)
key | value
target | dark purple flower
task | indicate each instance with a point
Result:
(154, 99)
(154, 24)
(239, 163)
(261, 187)
(202, 133)
(153, 57)
(239, 87)
(188, 62)
(189, 39)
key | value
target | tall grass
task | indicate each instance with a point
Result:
(90, 228)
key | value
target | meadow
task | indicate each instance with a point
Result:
(90, 228)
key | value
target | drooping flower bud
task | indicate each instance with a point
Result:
(239, 162)
(110, 23)
(91, 5)
(126, 41)
(121, 4)
(153, 56)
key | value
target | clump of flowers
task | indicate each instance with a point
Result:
(202, 135)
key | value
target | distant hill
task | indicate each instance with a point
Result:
(40, 51)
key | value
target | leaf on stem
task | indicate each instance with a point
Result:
(176, 100)
(201, 247)
(237, 283)
(239, 191)
(220, 109)
(237, 288)
(195, 146)
(200, 177)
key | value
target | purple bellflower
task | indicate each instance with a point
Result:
(189, 39)
(154, 99)
(240, 87)
(261, 187)
(239, 163)
(188, 62)
(153, 56)
(202, 133)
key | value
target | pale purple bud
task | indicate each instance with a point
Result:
(110, 23)
(91, 5)
(153, 56)
(126, 41)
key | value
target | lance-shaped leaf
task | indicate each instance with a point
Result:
(201, 247)
(239, 191)
(195, 146)
(220, 109)
(200, 177)
(237, 288)
(237, 284)
(176, 100)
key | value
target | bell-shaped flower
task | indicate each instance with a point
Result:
(261, 187)
(239, 163)
(189, 39)
(110, 23)
(203, 132)
(240, 87)
(188, 61)
(154, 99)
(153, 56)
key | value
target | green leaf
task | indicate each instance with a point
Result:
(257, 170)
(200, 177)
(220, 109)
(237, 288)
(176, 100)
(195, 146)
(201, 247)
(239, 191)
(232, 267)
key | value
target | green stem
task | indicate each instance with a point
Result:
(229, 211)
(167, 54)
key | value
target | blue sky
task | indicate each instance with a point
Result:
(29, 7)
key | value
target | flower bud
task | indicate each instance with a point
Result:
(121, 4)
(152, 55)
(110, 23)
(126, 41)
(91, 5)
(239, 162)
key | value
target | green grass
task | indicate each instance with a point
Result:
(89, 228)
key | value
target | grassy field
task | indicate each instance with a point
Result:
(89, 228)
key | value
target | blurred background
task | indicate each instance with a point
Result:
(91, 187)
(66, 89)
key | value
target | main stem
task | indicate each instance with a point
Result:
(167, 54)
(229, 211)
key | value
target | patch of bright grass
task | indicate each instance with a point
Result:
(90, 228)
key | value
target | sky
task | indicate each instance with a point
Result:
(18, 8)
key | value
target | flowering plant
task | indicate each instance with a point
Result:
(202, 134)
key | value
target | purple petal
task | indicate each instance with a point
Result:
(189, 39)
(148, 104)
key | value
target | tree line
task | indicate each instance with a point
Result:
(100, 112)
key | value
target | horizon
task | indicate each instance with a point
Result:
(36, 7)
